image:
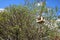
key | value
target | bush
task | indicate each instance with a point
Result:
(18, 23)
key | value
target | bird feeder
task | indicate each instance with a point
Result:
(40, 19)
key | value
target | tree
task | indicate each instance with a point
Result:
(18, 23)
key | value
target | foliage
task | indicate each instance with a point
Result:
(18, 23)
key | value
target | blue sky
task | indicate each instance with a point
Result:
(4, 3)
(50, 3)
(53, 3)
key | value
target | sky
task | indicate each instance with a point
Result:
(53, 3)
(5, 3)
(50, 3)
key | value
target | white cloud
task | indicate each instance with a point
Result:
(2, 9)
(58, 20)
